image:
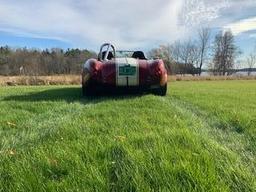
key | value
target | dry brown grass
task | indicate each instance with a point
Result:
(40, 80)
(210, 78)
(76, 79)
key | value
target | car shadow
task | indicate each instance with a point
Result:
(72, 94)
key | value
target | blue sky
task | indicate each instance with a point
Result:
(126, 23)
(16, 41)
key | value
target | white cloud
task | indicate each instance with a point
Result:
(242, 26)
(201, 12)
(127, 23)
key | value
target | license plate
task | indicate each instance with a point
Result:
(127, 70)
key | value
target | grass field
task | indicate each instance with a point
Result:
(200, 137)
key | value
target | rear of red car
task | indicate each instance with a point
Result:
(124, 74)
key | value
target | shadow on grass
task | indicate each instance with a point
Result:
(71, 94)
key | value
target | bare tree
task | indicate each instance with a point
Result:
(164, 52)
(194, 54)
(251, 62)
(225, 52)
(176, 51)
(204, 40)
(185, 52)
(189, 55)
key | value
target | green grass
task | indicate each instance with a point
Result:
(200, 137)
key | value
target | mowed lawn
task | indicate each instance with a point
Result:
(200, 137)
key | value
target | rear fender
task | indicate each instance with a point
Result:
(158, 72)
(91, 70)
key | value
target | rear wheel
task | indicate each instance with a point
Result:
(87, 90)
(161, 91)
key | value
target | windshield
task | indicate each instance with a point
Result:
(120, 54)
(127, 54)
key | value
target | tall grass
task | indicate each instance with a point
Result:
(76, 79)
(41, 80)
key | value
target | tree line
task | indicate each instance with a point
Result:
(182, 57)
(42, 62)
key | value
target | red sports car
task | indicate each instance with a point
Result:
(123, 70)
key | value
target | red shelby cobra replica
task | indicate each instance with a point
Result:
(125, 70)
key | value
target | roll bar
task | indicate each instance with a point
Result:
(108, 45)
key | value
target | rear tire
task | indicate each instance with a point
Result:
(87, 90)
(161, 91)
